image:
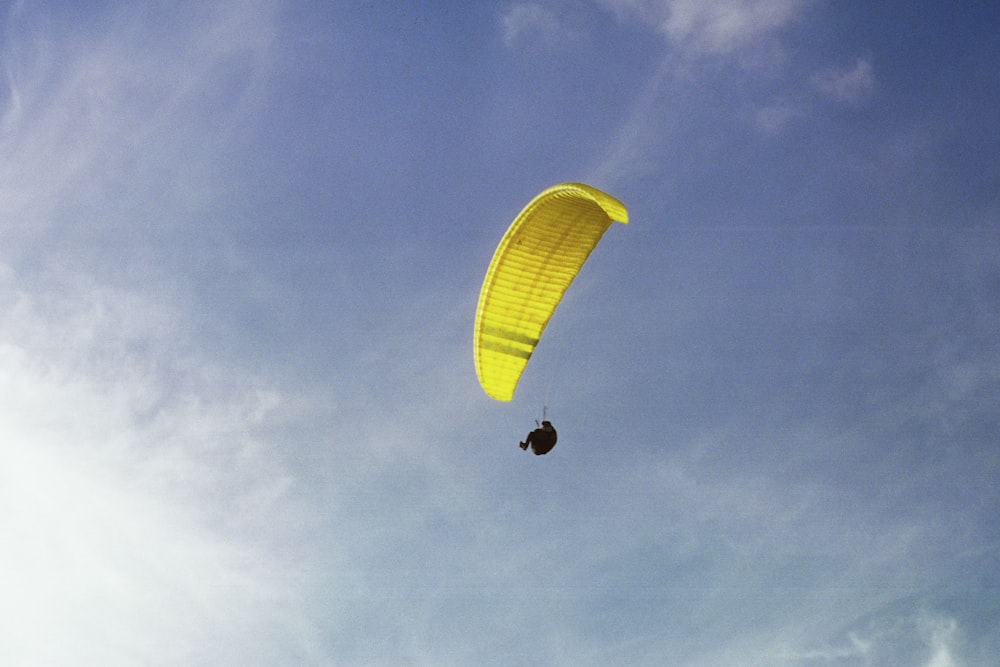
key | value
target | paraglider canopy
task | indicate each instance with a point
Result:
(535, 263)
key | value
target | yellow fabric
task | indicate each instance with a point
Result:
(532, 268)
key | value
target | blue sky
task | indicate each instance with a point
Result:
(241, 245)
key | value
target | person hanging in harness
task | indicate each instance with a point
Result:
(541, 440)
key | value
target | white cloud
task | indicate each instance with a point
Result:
(851, 85)
(723, 26)
(939, 635)
(713, 27)
(742, 31)
(530, 20)
(898, 635)
(84, 115)
(776, 116)
(127, 480)
(138, 499)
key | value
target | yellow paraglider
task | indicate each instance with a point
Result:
(537, 259)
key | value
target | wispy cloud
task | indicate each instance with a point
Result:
(712, 27)
(96, 118)
(850, 85)
(531, 21)
(745, 33)
(902, 635)
(845, 86)
(136, 496)
(629, 149)
(775, 116)
(128, 479)
(723, 26)
(173, 491)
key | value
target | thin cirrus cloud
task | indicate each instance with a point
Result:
(711, 27)
(693, 28)
(86, 121)
(741, 33)
(527, 20)
(238, 417)
(129, 459)
(850, 85)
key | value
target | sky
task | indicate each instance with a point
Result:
(241, 246)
